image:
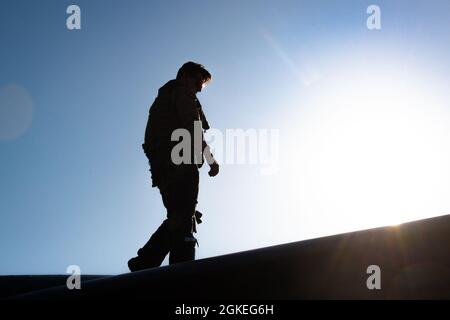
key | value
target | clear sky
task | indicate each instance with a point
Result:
(363, 119)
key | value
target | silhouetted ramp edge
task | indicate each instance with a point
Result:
(19, 284)
(414, 260)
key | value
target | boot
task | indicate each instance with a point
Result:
(183, 250)
(153, 253)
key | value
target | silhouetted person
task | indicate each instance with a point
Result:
(175, 107)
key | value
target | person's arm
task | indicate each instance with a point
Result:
(186, 109)
(188, 113)
(213, 165)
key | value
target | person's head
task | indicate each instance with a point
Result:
(194, 76)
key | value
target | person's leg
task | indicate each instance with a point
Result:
(182, 244)
(152, 254)
(157, 247)
(182, 201)
(176, 232)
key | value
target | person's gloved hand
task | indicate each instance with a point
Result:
(213, 169)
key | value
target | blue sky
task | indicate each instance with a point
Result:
(362, 116)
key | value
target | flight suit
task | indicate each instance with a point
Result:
(175, 107)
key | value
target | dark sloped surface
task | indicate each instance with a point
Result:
(20, 284)
(414, 259)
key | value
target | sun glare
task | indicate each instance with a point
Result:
(371, 149)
